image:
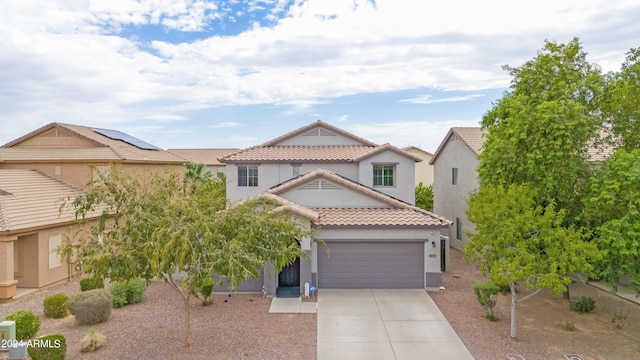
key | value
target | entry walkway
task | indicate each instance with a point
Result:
(384, 324)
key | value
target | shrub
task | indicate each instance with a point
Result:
(568, 325)
(91, 307)
(92, 341)
(56, 306)
(583, 305)
(91, 283)
(486, 295)
(27, 324)
(205, 289)
(618, 319)
(52, 347)
(128, 292)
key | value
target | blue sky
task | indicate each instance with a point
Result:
(198, 74)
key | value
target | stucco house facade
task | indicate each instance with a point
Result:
(455, 177)
(41, 168)
(424, 169)
(356, 195)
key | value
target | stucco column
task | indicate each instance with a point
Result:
(7, 283)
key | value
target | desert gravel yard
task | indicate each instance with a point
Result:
(240, 328)
(541, 335)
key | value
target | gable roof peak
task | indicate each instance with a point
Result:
(314, 125)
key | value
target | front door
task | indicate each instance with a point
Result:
(290, 275)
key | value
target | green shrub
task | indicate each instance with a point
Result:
(50, 347)
(56, 306)
(135, 290)
(583, 305)
(568, 325)
(118, 291)
(128, 292)
(91, 307)
(204, 291)
(486, 295)
(27, 324)
(91, 283)
(93, 341)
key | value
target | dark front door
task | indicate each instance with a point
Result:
(290, 275)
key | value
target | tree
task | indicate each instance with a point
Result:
(613, 209)
(155, 230)
(195, 174)
(622, 102)
(517, 240)
(538, 132)
(424, 197)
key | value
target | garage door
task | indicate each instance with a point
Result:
(371, 265)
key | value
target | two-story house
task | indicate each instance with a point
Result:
(41, 168)
(455, 177)
(359, 198)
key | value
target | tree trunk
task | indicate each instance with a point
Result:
(566, 295)
(186, 297)
(512, 287)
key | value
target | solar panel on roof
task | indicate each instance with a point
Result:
(117, 135)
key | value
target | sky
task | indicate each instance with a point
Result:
(233, 74)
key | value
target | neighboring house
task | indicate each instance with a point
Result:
(424, 170)
(77, 154)
(208, 157)
(38, 170)
(455, 165)
(358, 197)
(31, 228)
(455, 177)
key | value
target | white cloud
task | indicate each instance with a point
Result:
(226, 124)
(342, 118)
(428, 99)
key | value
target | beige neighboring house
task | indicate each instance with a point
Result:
(208, 157)
(424, 170)
(77, 154)
(41, 168)
(31, 228)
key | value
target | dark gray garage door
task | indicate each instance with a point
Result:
(371, 265)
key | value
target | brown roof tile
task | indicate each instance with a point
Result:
(105, 148)
(298, 153)
(30, 199)
(203, 156)
(375, 217)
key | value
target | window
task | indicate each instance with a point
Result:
(458, 229)
(383, 175)
(296, 169)
(248, 176)
(454, 176)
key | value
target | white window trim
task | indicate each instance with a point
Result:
(394, 165)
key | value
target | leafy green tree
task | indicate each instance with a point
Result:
(155, 230)
(195, 174)
(613, 209)
(539, 131)
(622, 102)
(424, 197)
(517, 240)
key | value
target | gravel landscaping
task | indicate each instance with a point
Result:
(234, 327)
(541, 334)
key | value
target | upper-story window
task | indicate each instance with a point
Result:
(384, 175)
(296, 169)
(247, 176)
(454, 176)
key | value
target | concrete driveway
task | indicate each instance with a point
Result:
(384, 324)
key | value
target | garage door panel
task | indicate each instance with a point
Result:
(372, 265)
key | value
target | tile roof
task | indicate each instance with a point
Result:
(203, 156)
(415, 148)
(105, 148)
(30, 199)
(299, 153)
(286, 205)
(426, 217)
(375, 217)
